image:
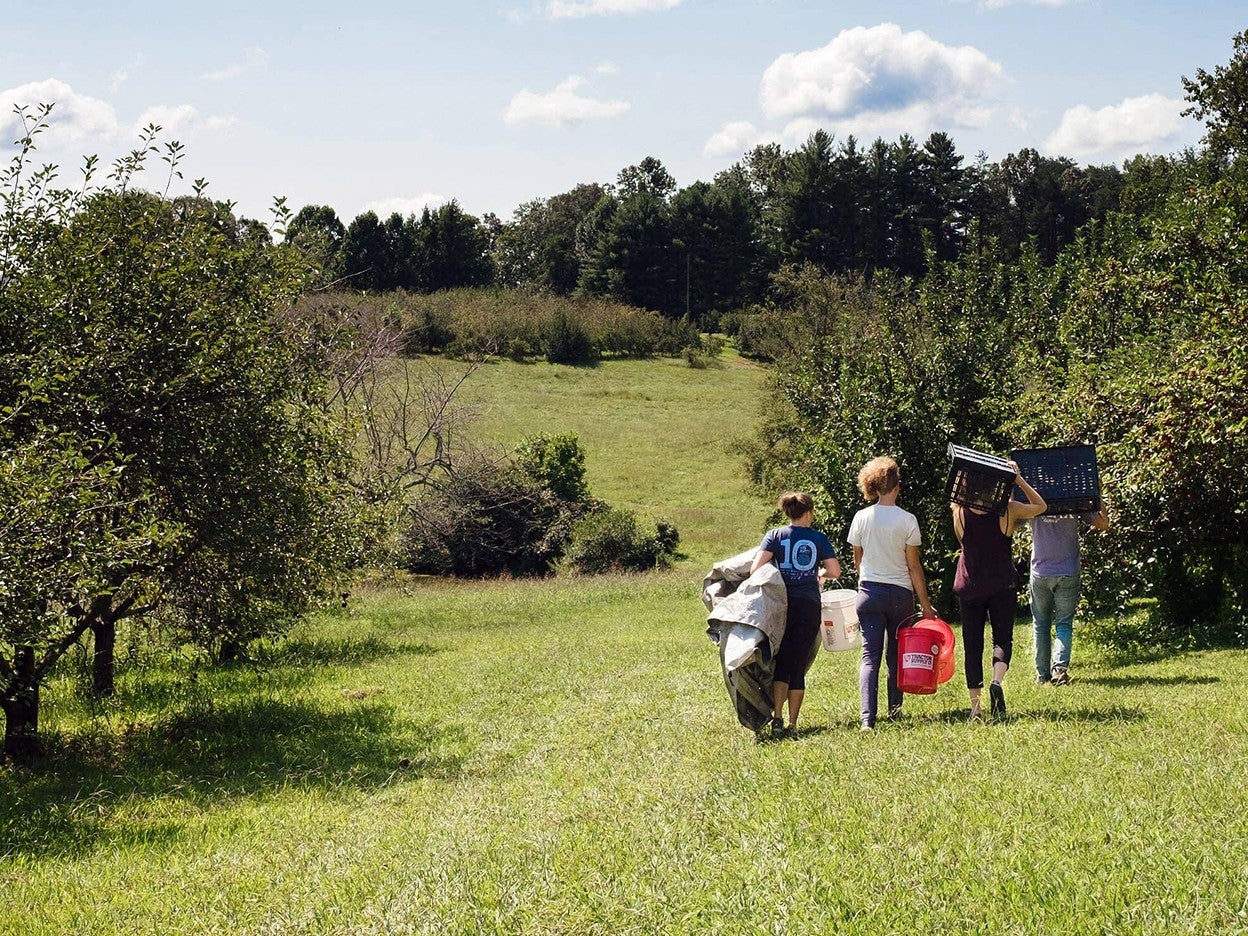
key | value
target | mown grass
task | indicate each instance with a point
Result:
(657, 436)
(560, 757)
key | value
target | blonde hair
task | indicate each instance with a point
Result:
(878, 476)
(796, 503)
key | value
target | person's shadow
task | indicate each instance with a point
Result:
(1130, 682)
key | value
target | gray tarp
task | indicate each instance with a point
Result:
(746, 622)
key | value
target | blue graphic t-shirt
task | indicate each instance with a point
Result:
(798, 552)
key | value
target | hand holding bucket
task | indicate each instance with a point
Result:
(839, 629)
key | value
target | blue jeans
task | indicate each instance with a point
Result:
(1053, 602)
(881, 611)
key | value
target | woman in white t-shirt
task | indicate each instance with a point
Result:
(886, 541)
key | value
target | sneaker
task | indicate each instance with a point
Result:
(1060, 676)
(997, 695)
(974, 715)
(1043, 681)
(777, 729)
(896, 713)
(866, 726)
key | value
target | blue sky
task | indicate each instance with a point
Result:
(390, 106)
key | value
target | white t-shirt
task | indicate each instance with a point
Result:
(883, 531)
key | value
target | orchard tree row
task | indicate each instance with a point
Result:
(1131, 338)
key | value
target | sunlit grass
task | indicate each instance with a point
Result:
(560, 757)
(657, 436)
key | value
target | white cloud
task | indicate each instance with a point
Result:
(560, 107)
(1150, 123)
(732, 138)
(561, 9)
(879, 79)
(180, 121)
(118, 79)
(253, 57)
(74, 117)
(607, 68)
(405, 206)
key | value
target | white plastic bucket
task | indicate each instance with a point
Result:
(839, 628)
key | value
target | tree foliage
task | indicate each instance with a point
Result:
(1130, 340)
(161, 450)
(1220, 99)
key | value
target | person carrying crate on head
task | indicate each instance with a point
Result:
(1068, 479)
(1054, 589)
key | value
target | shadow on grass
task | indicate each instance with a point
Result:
(287, 665)
(1093, 716)
(210, 754)
(1130, 682)
(322, 651)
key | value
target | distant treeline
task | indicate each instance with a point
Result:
(711, 248)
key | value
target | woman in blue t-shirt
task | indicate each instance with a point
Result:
(804, 556)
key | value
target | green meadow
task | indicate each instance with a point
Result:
(657, 436)
(559, 757)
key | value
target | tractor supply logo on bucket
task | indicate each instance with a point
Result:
(918, 661)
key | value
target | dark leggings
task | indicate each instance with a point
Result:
(1000, 609)
(882, 609)
(800, 643)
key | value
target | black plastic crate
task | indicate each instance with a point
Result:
(979, 480)
(1066, 477)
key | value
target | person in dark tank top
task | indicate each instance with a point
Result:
(986, 586)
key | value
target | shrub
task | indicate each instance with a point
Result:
(567, 342)
(705, 353)
(487, 519)
(557, 463)
(425, 331)
(611, 540)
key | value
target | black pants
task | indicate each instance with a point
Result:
(801, 641)
(1000, 609)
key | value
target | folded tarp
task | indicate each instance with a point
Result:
(746, 621)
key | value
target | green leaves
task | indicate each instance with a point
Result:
(162, 440)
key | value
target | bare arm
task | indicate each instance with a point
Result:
(831, 569)
(760, 560)
(919, 581)
(1034, 507)
(957, 520)
(858, 561)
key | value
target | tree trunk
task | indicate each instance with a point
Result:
(105, 631)
(231, 650)
(21, 708)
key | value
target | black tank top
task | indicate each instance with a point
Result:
(985, 565)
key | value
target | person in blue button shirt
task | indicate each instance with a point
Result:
(805, 557)
(1055, 589)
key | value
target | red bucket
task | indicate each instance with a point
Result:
(918, 651)
(943, 634)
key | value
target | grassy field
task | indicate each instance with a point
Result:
(656, 436)
(560, 757)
